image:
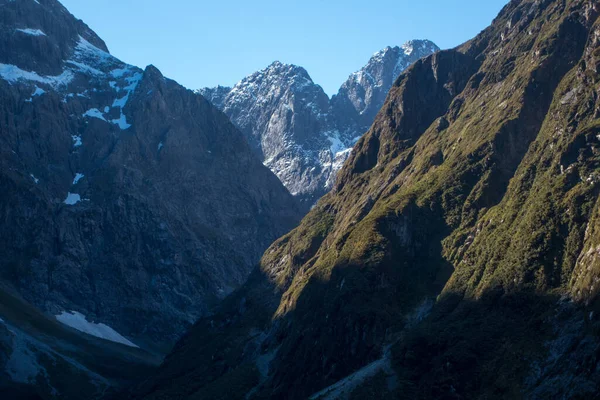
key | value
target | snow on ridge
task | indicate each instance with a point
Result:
(408, 48)
(87, 59)
(86, 50)
(379, 54)
(85, 68)
(79, 322)
(31, 32)
(13, 74)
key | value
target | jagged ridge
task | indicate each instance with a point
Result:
(302, 135)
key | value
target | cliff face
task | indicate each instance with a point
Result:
(126, 197)
(302, 135)
(456, 256)
(360, 98)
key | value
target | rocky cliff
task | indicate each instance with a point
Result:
(457, 255)
(302, 135)
(128, 200)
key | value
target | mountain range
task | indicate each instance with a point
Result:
(456, 256)
(149, 253)
(300, 134)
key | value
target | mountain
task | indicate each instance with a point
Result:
(284, 116)
(361, 97)
(41, 358)
(300, 134)
(130, 204)
(456, 256)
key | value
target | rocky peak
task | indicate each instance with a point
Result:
(302, 135)
(362, 95)
(216, 95)
(283, 114)
(41, 35)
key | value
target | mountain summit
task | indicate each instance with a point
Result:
(302, 135)
(361, 97)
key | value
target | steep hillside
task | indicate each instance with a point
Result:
(457, 255)
(127, 199)
(40, 358)
(302, 135)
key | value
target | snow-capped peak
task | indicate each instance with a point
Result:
(303, 136)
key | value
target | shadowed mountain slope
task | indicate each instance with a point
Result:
(126, 198)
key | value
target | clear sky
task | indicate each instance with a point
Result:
(208, 42)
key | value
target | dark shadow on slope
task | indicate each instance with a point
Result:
(59, 359)
(342, 322)
(338, 323)
(216, 356)
(501, 346)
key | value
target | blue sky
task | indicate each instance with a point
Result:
(204, 43)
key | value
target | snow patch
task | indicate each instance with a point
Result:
(77, 178)
(408, 48)
(32, 32)
(72, 199)
(79, 322)
(76, 140)
(336, 144)
(121, 122)
(13, 74)
(94, 113)
(85, 68)
(119, 72)
(38, 92)
(86, 54)
(121, 102)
